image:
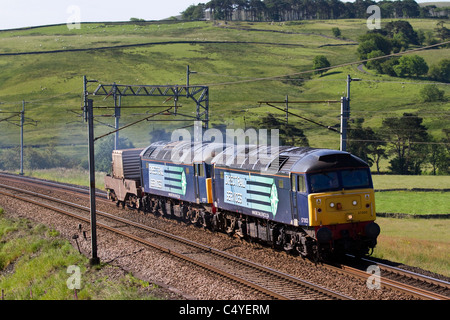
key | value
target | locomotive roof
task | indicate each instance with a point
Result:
(184, 152)
(285, 159)
(273, 160)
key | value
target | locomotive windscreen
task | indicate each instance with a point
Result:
(338, 180)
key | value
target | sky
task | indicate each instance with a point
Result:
(26, 13)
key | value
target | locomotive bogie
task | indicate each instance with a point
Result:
(123, 191)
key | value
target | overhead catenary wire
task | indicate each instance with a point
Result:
(239, 42)
(133, 123)
(328, 68)
(277, 77)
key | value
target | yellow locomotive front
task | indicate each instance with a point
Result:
(341, 206)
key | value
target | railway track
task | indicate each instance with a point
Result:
(268, 281)
(414, 284)
(411, 283)
(435, 288)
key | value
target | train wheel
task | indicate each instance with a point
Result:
(192, 216)
(111, 195)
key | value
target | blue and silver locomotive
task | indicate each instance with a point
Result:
(315, 202)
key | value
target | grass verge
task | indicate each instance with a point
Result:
(34, 262)
(416, 242)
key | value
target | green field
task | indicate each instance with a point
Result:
(415, 203)
(234, 69)
(412, 202)
(383, 182)
(424, 243)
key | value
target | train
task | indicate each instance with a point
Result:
(318, 203)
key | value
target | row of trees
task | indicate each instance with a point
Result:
(397, 36)
(35, 158)
(285, 10)
(405, 141)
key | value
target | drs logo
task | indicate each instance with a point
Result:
(251, 191)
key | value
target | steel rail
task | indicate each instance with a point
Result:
(384, 281)
(388, 283)
(445, 285)
(40, 182)
(235, 277)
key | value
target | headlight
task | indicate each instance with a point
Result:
(332, 205)
(355, 202)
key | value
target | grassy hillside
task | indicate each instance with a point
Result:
(242, 51)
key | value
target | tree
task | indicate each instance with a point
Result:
(372, 42)
(412, 65)
(430, 93)
(289, 134)
(366, 144)
(194, 12)
(336, 32)
(403, 28)
(439, 158)
(320, 62)
(104, 150)
(405, 135)
(375, 64)
(387, 67)
(137, 20)
(440, 71)
(159, 135)
(443, 32)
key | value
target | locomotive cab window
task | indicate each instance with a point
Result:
(325, 181)
(357, 178)
(342, 179)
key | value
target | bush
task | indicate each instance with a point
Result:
(431, 93)
(373, 42)
(440, 71)
(336, 32)
(320, 62)
(413, 65)
(35, 158)
(375, 64)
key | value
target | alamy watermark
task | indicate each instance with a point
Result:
(74, 281)
(374, 281)
(74, 20)
(374, 21)
(238, 145)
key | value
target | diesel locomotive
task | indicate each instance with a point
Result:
(315, 202)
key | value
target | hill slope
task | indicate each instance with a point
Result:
(236, 60)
